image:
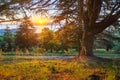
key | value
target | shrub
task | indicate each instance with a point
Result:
(116, 47)
(37, 50)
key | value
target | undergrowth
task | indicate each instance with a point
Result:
(58, 70)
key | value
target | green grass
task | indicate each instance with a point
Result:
(109, 55)
(104, 53)
(98, 52)
(57, 70)
(22, 55)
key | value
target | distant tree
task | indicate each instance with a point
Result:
(47, 41)
(19, 11)
(8, 39)
(26, 36)
(108, 37)
(116, 48)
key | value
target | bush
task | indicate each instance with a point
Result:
(117, 47)
(37, 50)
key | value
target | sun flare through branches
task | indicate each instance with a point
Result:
(41, 20)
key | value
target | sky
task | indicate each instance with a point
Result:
(15, 26)
(11, 26)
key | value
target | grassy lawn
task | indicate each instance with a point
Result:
(97, 53)
(58, 70)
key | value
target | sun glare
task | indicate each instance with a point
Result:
(40, 21)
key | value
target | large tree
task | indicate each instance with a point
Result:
(91, 17)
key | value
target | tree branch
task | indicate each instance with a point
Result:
(106, 22)
(93, 10)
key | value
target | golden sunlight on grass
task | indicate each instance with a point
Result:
(58, 70)
(41, 20)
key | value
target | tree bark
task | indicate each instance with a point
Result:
(86, 45)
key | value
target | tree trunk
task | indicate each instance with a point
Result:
(86, 46)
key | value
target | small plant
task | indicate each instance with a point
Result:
(17, 51)
(37, 51)
(26, 51)
(0, 53)
(117, 47)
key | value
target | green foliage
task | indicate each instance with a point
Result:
(8, 43)
(37, 50)
(116, 47)
(1, 38)
(99, 50)
(47, 39)
(67, 37)
(8, 53)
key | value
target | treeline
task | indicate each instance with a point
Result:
(65, 38)
(47, 40)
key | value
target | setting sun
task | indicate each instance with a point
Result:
(40, 20)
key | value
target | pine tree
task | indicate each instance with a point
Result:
(8, 38)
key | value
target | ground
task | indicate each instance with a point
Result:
(39, 69)
(17, 67)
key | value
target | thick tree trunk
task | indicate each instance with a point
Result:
(86, 46)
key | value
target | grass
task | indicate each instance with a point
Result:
(44, 53)
(104, 53)
(107, 55)
(58, 70)
(98, 52)
(23, 68)
(9, 57)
